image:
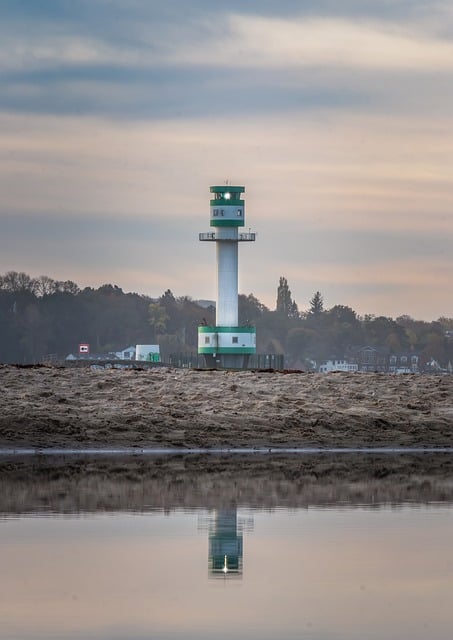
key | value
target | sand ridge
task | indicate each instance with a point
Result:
(164, 407)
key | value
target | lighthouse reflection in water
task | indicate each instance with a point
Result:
(226, 543)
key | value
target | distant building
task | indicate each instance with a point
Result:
(373, 359)
(403, 363)
(147, 352)
(126, 354)
(338, 365)
(376, 360)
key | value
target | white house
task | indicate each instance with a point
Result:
(126, 354)
(337, 365)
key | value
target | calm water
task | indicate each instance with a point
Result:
(317, 573)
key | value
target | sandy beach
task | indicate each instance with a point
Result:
(178, 409)
(186, 408)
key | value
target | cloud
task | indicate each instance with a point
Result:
(247, 58)
(239, 41)
(257, 42)
(329, 170)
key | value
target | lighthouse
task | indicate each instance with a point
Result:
(227, 344)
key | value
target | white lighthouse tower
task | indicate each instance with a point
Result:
(227, 344)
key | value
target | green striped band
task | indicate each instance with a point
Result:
(205, 329)
(226, 188)
(233, 202)
(234, 222)
(238, 350)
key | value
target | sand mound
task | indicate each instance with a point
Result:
(45, 407)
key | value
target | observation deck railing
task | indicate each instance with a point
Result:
(211, 236)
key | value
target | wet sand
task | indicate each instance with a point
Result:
(184, 408)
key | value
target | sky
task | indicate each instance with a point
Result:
(117, 116)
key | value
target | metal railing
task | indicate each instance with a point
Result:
(255, 361)
(211, 236)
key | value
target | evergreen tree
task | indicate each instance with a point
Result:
(316, 304)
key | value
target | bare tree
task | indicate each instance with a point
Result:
(45, 286)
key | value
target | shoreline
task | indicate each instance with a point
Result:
(268, 452)
(75, 484)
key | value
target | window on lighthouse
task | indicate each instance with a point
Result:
(207, 340)
(234, 340)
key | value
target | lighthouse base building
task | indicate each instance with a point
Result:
(227, 344)
(227, 347)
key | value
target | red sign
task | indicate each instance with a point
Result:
(84, 348)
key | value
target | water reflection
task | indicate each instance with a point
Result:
(123, 550)
(91, 484)
(225, 528)
(225, 545)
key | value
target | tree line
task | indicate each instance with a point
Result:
(42, 317)
(319, 334)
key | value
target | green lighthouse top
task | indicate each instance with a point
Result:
(225, 188)
(227, 195)
(227, 207)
